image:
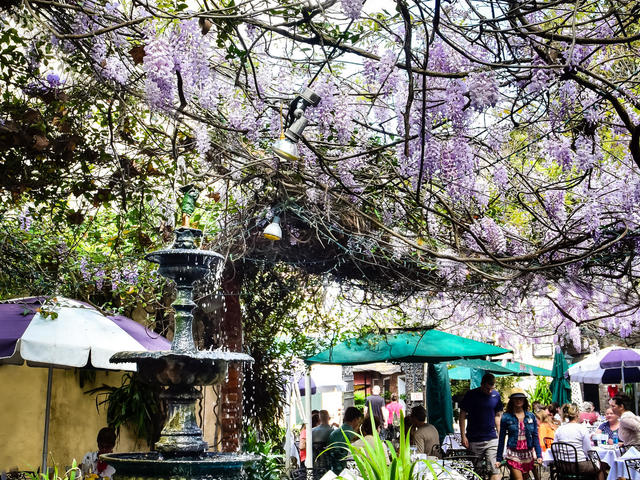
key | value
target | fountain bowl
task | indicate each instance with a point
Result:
(153, 465)
(206, 367)
(183, 265)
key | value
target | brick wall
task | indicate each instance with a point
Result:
(231, 391)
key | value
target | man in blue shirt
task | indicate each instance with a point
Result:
(480, 412)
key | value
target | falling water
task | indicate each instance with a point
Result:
(181, 451)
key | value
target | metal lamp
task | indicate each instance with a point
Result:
(286, 147)
(273, 230)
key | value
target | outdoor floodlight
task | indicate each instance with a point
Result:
(286, 147)
(273, 230)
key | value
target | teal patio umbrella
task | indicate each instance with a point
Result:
(560, 386)
(422, 346)
(522, 369)
(474, 369)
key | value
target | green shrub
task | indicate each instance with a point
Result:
(541, 392)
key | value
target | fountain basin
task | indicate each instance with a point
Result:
(183, 265)
(206, 367)
(153, 465)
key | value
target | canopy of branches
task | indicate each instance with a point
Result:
(475, 161)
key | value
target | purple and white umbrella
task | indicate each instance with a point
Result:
(609, 365)
(69, 334)
(64, 333)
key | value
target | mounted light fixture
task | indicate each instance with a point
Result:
(273, 230)
(286, 147)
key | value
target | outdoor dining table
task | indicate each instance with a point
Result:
(609, 454)
(451, 442)
(443, 470)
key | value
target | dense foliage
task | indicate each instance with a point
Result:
(135, 404)
(541, 392)
(276, 336)
(472, 164)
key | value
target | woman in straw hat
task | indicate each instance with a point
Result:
(520, 429)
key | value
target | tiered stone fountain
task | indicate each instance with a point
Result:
(181, 452)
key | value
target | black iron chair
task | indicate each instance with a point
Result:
(633, 466)
(436, 451)
(321, 458)
(624, 448)
(456, 452)
(565, 463)
(594, 456)
(466, 464)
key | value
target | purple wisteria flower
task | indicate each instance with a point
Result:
(25, 220)
(351, 8)
(53, 79)
(488, 231)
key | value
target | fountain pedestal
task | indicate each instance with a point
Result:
(181, 450)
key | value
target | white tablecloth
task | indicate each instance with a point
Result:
(607, 455)
(450, 441)
(610, 456)
(420, 472)
(446, 472)
(618, 466)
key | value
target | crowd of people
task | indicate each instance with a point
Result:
(329, 440)
(515, 435)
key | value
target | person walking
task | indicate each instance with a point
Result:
(375, 406)
(519, 427)
(482, 409)
(393, 422)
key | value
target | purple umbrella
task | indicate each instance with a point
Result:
(620, 358)
(302, 389)
(67, 333)
(609, 365)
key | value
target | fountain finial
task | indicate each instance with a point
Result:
(190, 196)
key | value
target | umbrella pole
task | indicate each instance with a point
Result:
(623, 375)
(308, 461)
(47, 414)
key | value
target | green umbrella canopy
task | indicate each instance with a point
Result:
(522, 369)
(463, 368)
(489, 367)
(560, 386)
(432, 346)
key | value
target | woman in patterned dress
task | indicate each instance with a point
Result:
(520, 429)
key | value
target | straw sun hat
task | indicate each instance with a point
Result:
(517, 393)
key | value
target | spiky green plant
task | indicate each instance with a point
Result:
(372, 460)
(54, 474)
